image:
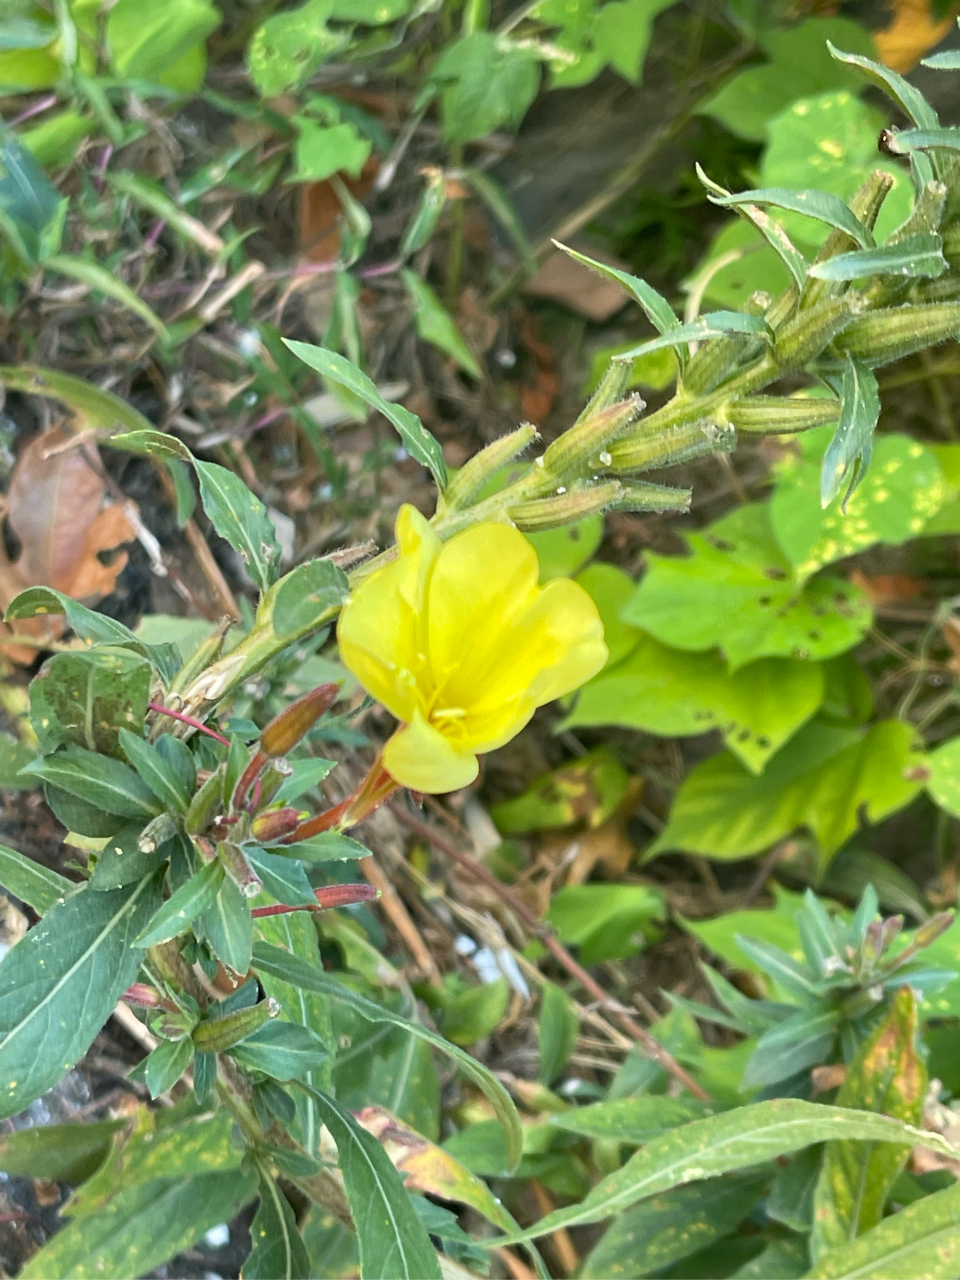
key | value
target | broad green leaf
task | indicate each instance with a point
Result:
(610, 588)
(181, 909)
(656, 308)
(306, 594)
(605, 921)
(306, 776)
(166, 1064)
(280, 964)
(152, 44)
(277, 1251)
(802, 1040)
(160, 776)
(916, 255)
(417, 440)
(282, 1050)
(484, 83)
(676, 694)
(902, 490)
(821, 205)
(98, 278)
(328, 846)
(738, 591)
(944, 780)
(435, 324)
(887, 1076)
(329, 145)
(99, 780)
(227, 927)
(557, 1029)
(31, 882)
(799, 67)
(633, 1121)
(672, 1225)
(84, 622)
(61, 982)
(241, 518)
(775, 925)
(823, 780)
(67, 1152)
(84, 698)
(706, 1148)
(289, 47)
(142, 1227)
(393, 1243)
(284, 879)
(561, 552)
(848, 454)
(589, 790)
(78, 815)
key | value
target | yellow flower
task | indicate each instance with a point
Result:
(459, 642)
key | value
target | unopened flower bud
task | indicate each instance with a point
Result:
(274, 825)
(672, 445)
(780, 415)
(143, 996)
(473, 475)
(286, 729)
(581, 449)
(638, 495)
(934, 927)
(883, 336)
(239, 869)
(344, 895)
(222, 1033)
(205, 805)
(565, 507)
(808, 334)
(272, 779)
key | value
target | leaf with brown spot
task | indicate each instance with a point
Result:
(886, 1076)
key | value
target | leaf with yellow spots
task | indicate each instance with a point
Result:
(886, 1076)
(912, 31)
(902, 490)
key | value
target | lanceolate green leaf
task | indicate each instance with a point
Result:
(297, 972)
(160, 776)
(241, 518)
(417, 440)
(917, 255)
(141, 1227)
(32, 883)
(909, 99)
(887, 1076)
(706, 1148)
(182, 908)
(848, 453)
(821, 205)
(435, 324)
(99, 278)
(921, 1241)
(656, 308)
(108, 784)
(155, 444)
(715, 324)
(393, 1242)
(277, 1250)
(61, 982)
(84, 622)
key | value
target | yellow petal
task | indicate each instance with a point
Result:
(379, 632)
(421, 758)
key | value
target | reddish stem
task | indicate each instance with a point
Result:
(334, 895)
(323, 822)
(190, 720)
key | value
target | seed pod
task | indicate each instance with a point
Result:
(884, 336)
(221, 1033)
(565, 507)
(286, 729)
(780, 415)
(808, 334)
(637, 495)
(239, 869)
(273, 826)
(474, 474)
(206, 652)
(205, 805)
(866, 204)
(613, 386)
(671, 445)
(581, 449)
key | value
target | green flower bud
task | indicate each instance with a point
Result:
(884, 336)
(222, 1033)
(473, 475)
(239, 869)
(671, 445)
(780, 415)
(565, 507)
(583, 448)
(808, 334)
(638, 495)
